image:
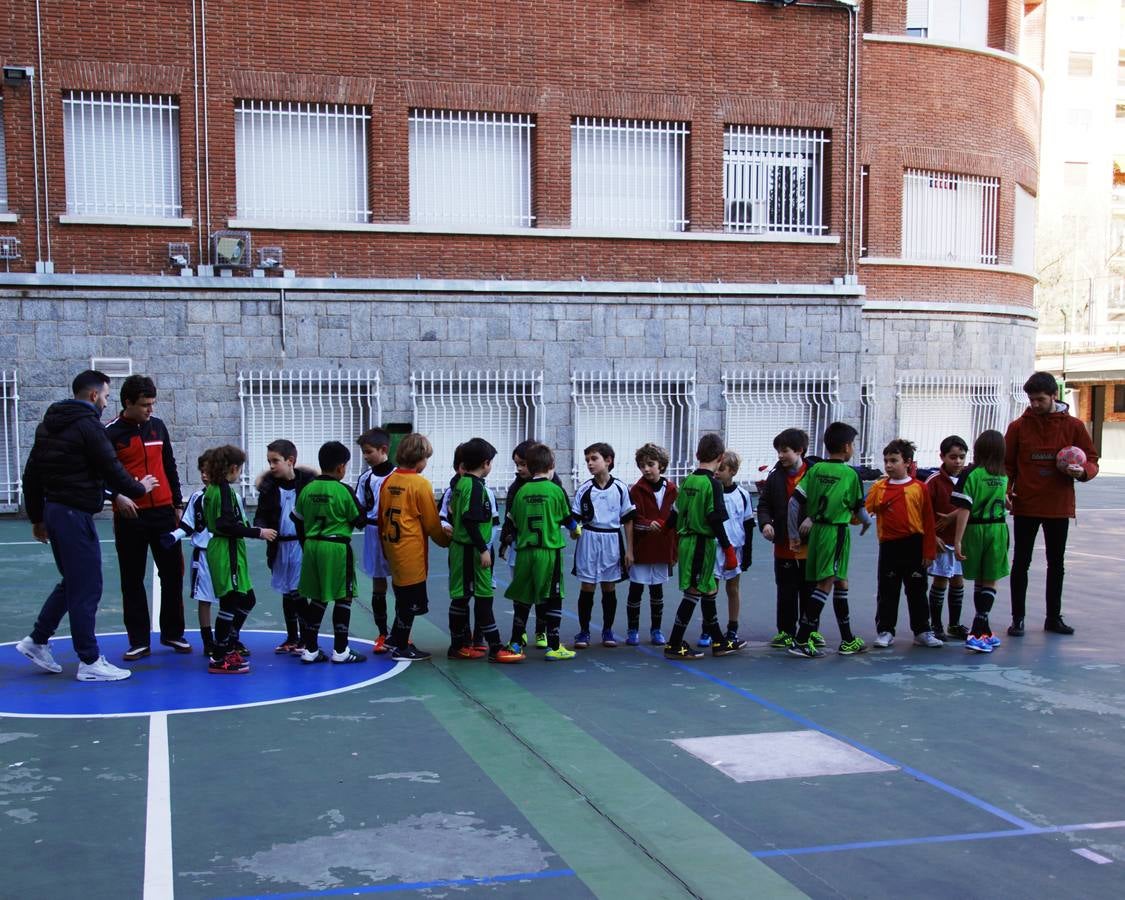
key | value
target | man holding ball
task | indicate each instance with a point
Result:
(1041, 485)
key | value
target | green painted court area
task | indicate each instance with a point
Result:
(905, 772)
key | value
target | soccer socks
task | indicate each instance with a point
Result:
(485, 621)
(223, 624)
(843, 613)
(937, 601)
(956, 603)
(609, 608)
(550, 613)
(683, 618)
(711, 620)
(341, 621)
(314, 615)
(290, 604)
(983, 598)
(633, 606)
(207, 636)
(585, 609)
(520, 612)
(379, 610)
(811, 616)
(458, 622)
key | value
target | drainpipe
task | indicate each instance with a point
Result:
(50, 267)
(195, 92)
(206, 133)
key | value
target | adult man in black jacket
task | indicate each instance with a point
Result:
(64, 485)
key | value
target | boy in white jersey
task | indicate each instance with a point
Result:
(375, 446)
(740, 529)
(605, 547)
(192, 526)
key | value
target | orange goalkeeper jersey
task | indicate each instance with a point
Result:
(407, 516)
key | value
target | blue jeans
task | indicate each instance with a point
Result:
(78, 556)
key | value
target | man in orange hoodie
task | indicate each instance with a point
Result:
(1041, 495)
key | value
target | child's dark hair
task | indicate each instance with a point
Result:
(539, 458)
(374, 437)
(792, 439)
(201, 463)
(135, 387)
(458, 457)
(522, 448)
(219, 461)
(283, 448)
(902, 447)
(953, 441)
(332, 455)
(988, 452)
(604, 450)
(412, 449)
(1039, 383)
(838, 435)
(710, 448)
(653, 453)
(475, 452)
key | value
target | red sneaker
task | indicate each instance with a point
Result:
(466, 652)
(380, 645)
(507, 655)
(231, 664)
(288, 646)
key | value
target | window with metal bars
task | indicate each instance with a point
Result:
(470, 168)
(629, 409)
(929, 408)
(949, 218)
(3, 164)
(304, 162)
(122, 155)
(773, 180)
(504, 408)
(9, 442)
(308, 407)
(628, 174)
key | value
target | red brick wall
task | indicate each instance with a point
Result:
(946, 285)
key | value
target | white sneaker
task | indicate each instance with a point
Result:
(884, 639)
(927, 639)
(40, 654)
(101, 669)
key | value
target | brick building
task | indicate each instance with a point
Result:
(623, 220)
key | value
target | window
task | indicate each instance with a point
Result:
(303, 162)
(3, 164)
(1078, 121)
(864, 212)
(918, 18)
(931, 407)
(949, 218)
(628, 174)
(1119, 398)
(470, 168)
(1076, 175)
(1080, 65)
(773, 180)
(122, 155)
(951, 21)
(1023, 240)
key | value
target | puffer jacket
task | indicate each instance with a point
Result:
(1037, 487)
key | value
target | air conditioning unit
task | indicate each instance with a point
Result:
(270, 257)
(9, 247)
(230, 249)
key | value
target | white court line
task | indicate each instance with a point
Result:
(158, 813)
(1092, 856)
(34, 543)
(155, 597)
(1095, 556)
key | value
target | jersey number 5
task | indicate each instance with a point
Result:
(393, 529)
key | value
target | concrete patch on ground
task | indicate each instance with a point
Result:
(429, 847)
(416, 777)
(420, 699)
(15, 736)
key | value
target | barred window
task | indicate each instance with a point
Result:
(9, 442)
(122, 155)
(3, 164)
(773, 180)
(301, 161)
(470, 168)
(949, 218)
(931, 407)
(628, 174)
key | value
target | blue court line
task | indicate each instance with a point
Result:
(412, 886)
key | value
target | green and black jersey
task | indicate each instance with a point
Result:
(226, 551)
(470, 513)
(701, 508)
(538, 514)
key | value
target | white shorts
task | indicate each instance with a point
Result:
(650, 573)
(374, 562)
(286, 571)
(727, 574)
(597, 557)
(202, 590)
(945, 565)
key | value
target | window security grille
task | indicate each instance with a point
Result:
(773, 180)
(628, 174)
(870, 425)
(3, 164)
(504, 408)
(9, 442)
(628, 409)
(307, 407)
(932, 407)
(1017, 400)
(470, 168)
(301, 161)
(949, 218)
(760, 403)
(122, 154)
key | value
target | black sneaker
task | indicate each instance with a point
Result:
(135, 653)
(410, 654)
(728, 646)
(1016, 628)
(1057, 626)
(960, 632)
(178, 644)
(682, 652)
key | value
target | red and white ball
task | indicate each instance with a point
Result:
(1069, 456)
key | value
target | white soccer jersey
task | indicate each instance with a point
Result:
(740, 510)
(191, 521)
(603, 508)
(367, 493)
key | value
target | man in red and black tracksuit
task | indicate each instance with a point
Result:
(143, 446)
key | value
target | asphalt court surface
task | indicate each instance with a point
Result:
(899, 772)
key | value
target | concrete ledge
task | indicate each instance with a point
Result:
(939, 264)
(963, 48)
(130, 221)
(935, 307)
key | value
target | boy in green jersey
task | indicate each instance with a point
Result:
(700, 514)
(538, 514)
(326, 513)
(470, 555)
(825, 502)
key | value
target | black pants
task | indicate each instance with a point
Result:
(410, 601)
(135, 539)
(900, 567)
(793, 592)
(1054, 536)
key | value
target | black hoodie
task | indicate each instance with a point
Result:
(72, 461)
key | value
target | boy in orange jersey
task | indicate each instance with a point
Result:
(907, 545)
(407, 517)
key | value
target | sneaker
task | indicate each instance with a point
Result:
(40, 654)
(561, 653)
(656, 638)
(849, 648)
(1057, 626)
(807, 650)
(1016, 628)
(380, 645)
(177, 644)
(817, 638)
(410, 654)
(506, 655)
(941, 635)
(992, 639)
(884, 639)
(465, 652)
(231, 664)
(582, 640)
(957, 631)
(633, 637)
(288, 646)
(523, 639)
(241, 649)
(541, 640)
(682, 652)
(135, 653)
(314, 656)
(781, 641)
(979, 644)
(727, 646)
(347, 656)
(609, 639)
(927, 639)
(480, 647)
(704, 641)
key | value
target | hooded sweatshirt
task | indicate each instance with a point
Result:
(1037, 487)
